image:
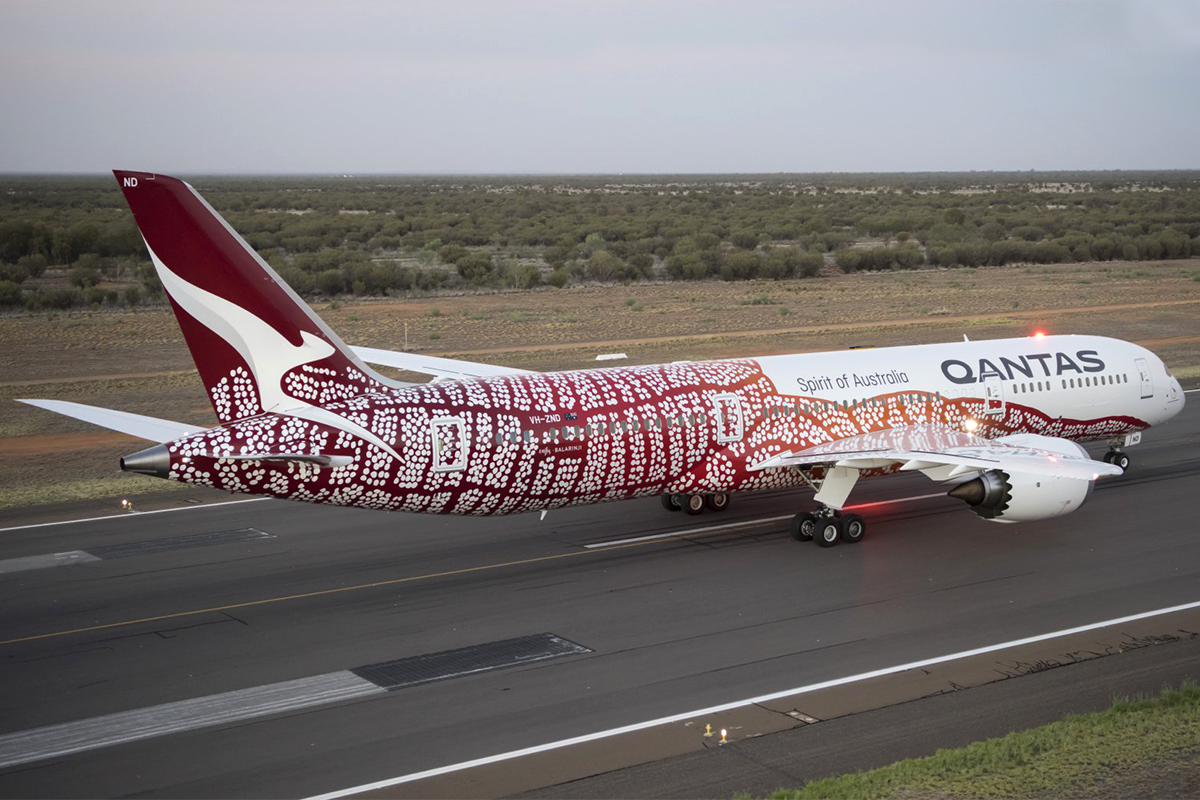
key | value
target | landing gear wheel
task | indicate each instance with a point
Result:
(1118, 457)
(669, 502)
(717, 502)
(804, 526)
(829, 530)
(853, 528)
(694, 503)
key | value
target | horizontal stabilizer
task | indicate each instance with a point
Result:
(152, 428)
(433, 365)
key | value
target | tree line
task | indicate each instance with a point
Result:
(68, 241)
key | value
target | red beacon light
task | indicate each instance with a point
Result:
(1039, 334)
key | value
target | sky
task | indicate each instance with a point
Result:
(575, 86)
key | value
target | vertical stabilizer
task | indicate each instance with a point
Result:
(257, 345)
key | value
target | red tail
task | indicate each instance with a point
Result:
(257, 345)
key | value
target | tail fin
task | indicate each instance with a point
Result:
(257, 345)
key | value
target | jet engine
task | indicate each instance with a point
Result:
(1002, 496)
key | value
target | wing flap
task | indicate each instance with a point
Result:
(941, 454)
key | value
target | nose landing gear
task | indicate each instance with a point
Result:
(1117, 457)
(1116, 449)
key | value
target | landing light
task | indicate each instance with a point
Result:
(971, 425)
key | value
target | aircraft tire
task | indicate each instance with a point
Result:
(1121, 460)
(717, 502)
(693, 503)
(668, 502)
(803, 526)
(829, 531)
(854, 528)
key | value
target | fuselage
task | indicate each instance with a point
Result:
(519, 443)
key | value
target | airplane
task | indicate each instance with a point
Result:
(301, 416)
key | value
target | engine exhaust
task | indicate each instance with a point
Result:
(154, 461)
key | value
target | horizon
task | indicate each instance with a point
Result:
(534, 87)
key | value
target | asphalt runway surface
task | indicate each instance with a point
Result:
(301, 611)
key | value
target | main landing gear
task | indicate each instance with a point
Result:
(828, 527)
(695, 503)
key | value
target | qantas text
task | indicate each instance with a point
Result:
(1037, 365)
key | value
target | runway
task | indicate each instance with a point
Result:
(295, 646)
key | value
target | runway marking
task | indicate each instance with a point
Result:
(744, 523)
(337, 590)
(93, 733)
(765, 698)
(111, 552)
(429, 667)
(54, 741)
(44, 561)
(135, 514)
(587, 549)
(897, 500)
(689, 532)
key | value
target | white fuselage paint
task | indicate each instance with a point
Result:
(1072, 387)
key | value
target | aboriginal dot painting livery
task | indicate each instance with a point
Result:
(301, 415)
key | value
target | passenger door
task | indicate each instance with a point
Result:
(993, 397)
(1144, 376)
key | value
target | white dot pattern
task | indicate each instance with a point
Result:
(542, 441)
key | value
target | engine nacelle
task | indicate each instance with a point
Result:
(1001, 496)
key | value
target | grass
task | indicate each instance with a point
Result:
(1070, 757)
(115, 487)
(1186, 372)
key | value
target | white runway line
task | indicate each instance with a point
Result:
(687, 715)
(43, 561)
(53, 741)
(897, 500)
(688, 532)
(135, 514)
(745, 523)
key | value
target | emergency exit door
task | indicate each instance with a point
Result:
(449, 444)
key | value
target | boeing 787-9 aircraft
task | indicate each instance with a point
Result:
(301, 416)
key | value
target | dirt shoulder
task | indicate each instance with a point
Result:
(137, 361)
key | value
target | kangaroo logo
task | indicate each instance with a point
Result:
(267, 353)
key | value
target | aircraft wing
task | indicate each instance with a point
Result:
(152, 428)
(943, 453)
(433, 365)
